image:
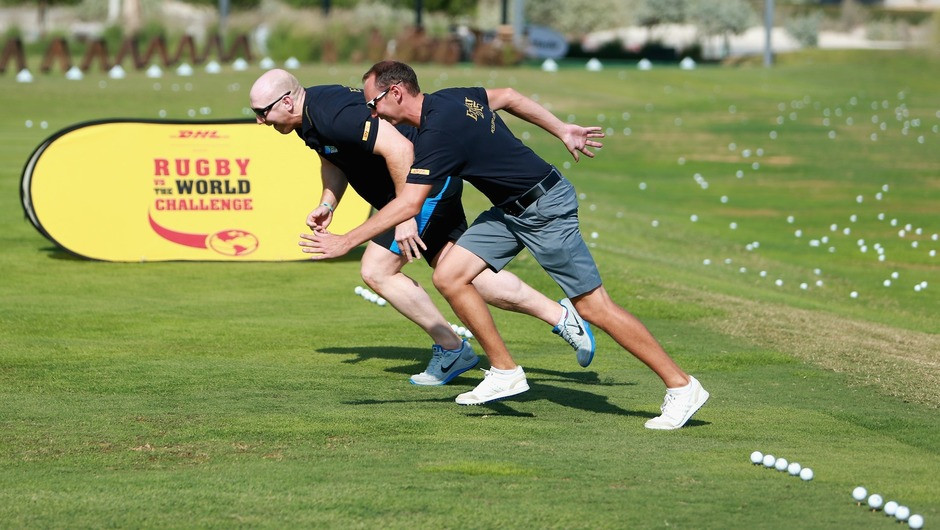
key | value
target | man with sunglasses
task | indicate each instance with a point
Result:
(362, 151)
(535, 207)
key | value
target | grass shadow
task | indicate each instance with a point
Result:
(420, 356)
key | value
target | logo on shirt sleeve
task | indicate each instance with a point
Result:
(418, 171)
(474, 109)
(366, 130)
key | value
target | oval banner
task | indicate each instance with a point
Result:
(164, 191)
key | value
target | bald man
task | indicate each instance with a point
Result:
(359, 150)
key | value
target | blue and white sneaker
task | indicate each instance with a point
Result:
(577, 332)
(446, 365)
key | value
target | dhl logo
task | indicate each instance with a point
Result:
(197, 133)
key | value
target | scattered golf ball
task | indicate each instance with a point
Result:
(916, 521)
(890, 508)
(757, 457)
(769, 460)
(859, 493)
(902, 513)
(806, 474)
(875, 501)
(794, 468)
(781, 464)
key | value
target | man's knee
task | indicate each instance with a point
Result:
(443, 280)
(372, 275)
(596, 306)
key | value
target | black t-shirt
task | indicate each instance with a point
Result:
(461, 136)
(338, 125)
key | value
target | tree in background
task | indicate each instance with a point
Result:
(652, 13)
(723, 18)
(579, 17)
(42, 6)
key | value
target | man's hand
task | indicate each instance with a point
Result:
(320, 218)
(578, 139)
(406, 235)
(323, 245)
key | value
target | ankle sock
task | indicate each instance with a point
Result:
(680, 389)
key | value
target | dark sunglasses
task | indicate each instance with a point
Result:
(263, 113)
(371, 103)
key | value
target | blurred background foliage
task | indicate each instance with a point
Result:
(347, 30)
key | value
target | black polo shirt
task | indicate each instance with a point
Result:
(461, 136)
(338, 125)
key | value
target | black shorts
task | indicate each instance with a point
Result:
(442, 219)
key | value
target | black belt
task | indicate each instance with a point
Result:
(516, 207)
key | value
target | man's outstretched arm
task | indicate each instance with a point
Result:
(577, 139)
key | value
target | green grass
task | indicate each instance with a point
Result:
(267, 395)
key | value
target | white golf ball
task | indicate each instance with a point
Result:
(381, 301)
(468, 334)
(373, 297)
(769, 460)
(757, 457)
(875, 501)
(806, 473)
(890, 508)
(781, 464)
(358, 290)
(461, 330)
(794, 468)
(916, 521)
(859, 494)
(902, 513)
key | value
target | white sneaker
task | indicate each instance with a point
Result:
(577, 332)
(679, 407)
(446, 365)
(495, 386)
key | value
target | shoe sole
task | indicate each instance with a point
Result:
(703, 397)
(587, 329)
(509, 393)
(450, 376)
(590, 334)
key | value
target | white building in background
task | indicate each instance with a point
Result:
(912, 4)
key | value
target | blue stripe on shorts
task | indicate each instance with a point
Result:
(425, 215)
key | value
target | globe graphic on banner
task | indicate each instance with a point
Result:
(233, 242)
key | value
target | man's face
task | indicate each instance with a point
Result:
(274, 110)
(383, 103)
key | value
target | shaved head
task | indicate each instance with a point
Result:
(272, 84)
(277, 98)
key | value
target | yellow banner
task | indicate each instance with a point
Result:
(162, 191)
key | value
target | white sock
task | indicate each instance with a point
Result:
(564, 315)
(680, 389)
(504, 372)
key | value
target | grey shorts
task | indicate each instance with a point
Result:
(549, 229)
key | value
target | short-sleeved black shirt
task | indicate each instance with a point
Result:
(338, 125)
(461, 136)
